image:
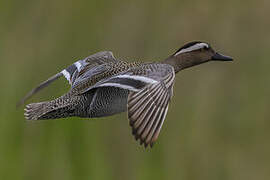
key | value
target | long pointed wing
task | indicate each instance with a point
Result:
(71, 72)
(147, 109)
(151, 88)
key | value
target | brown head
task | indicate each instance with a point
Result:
(194, 53)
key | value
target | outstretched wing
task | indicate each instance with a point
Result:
(151, 88)
(71, 72)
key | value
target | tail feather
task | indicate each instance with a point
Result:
(48, 110)
(64, 106)
(35, 110)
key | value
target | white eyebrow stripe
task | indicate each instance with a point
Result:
(119, 86)
(66, 74)
(139, 78)
(192, 48)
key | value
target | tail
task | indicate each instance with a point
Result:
(48, 110)
(35, 110)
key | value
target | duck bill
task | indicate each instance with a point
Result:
(221, 57)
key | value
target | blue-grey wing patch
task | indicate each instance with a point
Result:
(73, 71)
(87, 67)
(94, 64)
(126, 80)
(136, 79)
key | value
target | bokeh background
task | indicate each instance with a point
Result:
(218, 124)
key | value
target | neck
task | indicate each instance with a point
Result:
(182, 62)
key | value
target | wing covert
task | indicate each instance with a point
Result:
(73, 71)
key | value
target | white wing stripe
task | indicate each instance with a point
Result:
(119, 86)
(139, 78)
(66, 74)
(78, 65)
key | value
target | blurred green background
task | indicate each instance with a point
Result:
(218, 124)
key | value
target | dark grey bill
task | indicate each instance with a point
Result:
(220, 57)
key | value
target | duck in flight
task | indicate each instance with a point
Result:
(102, 85)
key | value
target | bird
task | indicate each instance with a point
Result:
(102, 85)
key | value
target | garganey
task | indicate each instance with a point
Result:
(102, 85)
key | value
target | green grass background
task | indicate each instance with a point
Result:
(218, 124)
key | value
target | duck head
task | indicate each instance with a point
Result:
(194, 53)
